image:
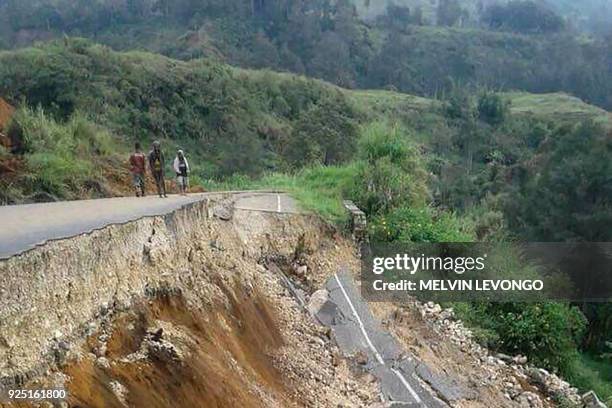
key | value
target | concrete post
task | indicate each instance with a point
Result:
(358, 224)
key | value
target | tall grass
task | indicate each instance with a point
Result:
(59, 155)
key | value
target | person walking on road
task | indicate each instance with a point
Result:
(181, 168)
(156, 163)
(137, 168)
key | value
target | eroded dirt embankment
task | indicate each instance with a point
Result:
(192, 310)
(178, 310)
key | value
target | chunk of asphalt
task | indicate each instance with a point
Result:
(447, 389)
(316, 301)
(329, 314)
(393, 388)
(223, 212)
(357, 332)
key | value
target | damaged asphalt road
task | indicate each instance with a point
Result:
(27, 226)
(357, 331)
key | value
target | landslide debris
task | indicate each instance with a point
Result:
(223, 331)
(162, 352)
(447, 347)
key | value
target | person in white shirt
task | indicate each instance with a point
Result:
(181, 168)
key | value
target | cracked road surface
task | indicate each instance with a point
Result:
(27, 226)
(356, 330)
(270, 202)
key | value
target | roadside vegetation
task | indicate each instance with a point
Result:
(59, 159)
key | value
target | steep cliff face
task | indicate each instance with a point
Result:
(49, 294)
(177, 308)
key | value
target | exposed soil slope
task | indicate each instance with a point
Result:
(197, 319)
(6, 112)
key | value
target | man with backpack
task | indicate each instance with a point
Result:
(156, 163)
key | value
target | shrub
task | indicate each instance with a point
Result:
(547, 333)
(459, 104)
(390, 172)
(59, 156)
(408, 224)
(492, 108)
(325, 134)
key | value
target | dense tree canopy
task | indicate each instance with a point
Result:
(567, 193)
(525, 16)
(327, 39)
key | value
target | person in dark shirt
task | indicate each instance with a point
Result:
(181, 168)
(137, 168)
(156, 164)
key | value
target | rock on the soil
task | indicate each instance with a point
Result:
(590, 400)
(317, 300)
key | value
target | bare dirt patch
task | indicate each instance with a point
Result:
(164, 352)
(6, 112)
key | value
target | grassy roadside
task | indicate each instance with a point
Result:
(318, 189)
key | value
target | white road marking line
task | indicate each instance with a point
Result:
(371, 346)
(407, 385)
(278, 203)
(361, 326)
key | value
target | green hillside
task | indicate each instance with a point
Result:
(210, 108)
(329, 40)
(558, 107)
(232, 120)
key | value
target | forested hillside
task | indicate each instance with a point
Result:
(586, 15)
(236, 121)
(400, 49)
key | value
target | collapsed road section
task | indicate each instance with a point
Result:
(212, 304)
(177, 307)
(404, 381)
(356, 330)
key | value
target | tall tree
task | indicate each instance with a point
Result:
(449, 12)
